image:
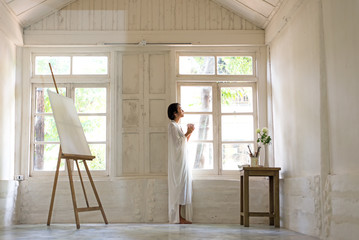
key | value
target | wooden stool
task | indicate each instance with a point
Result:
(273, 214)
(69, 157)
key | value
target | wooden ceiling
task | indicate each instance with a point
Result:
(259, 12)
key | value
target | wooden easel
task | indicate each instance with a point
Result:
(75, 158)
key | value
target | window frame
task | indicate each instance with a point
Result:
(257, 80)
(215, 75)
(71, 82)
(71, 55)
(70, 92)
(217, 120)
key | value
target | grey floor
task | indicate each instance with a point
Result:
(148, 232)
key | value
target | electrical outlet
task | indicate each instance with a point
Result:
(19, 177)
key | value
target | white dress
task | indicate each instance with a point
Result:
(179, 174)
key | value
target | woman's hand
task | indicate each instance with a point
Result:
(190, 129)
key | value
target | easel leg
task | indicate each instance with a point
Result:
(73, 193)
(54, 187)
(95, 192)
(82, 183)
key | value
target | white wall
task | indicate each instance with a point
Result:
(7, 128)
(341, 34)
(314, 90)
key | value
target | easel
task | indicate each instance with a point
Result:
(76, 158)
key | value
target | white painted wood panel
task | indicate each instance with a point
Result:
(130, 73)
(157, 75)
(158, 153)
(131, 153)
(144, 15)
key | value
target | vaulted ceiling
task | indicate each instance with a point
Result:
(259, 12)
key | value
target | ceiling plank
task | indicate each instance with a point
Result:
(21, 6)
(259, 6)
(41, 11)
(244, 11)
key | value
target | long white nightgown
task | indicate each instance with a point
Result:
(179, 174)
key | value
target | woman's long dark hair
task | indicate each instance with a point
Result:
(172, 109)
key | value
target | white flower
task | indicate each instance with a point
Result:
(265, 130)
(258, 130)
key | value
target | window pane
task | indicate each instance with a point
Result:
(235, 65)
(45, 129)
(236, 99)
(60, 65)
(94, 127)
(237, 128)
(203, 126)
(99, 163)
(201, 155)
(90, 100)
(196, 98)
(196, 65)
(234, 155)
(42, 102)
(89, 65)
(45, 157)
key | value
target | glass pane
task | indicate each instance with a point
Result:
(60, 65)
(235, 65)
(237, 128)
(98, 163)
(196, 65)
(90, 100)
(94, 127)
(196, 98)
(42, 102)
(89, 65)
(45, 157)
(203, 126)
(201, 155)
(234, 155)
(45, 129)
(236, 99)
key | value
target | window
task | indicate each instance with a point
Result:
(71, 65)
(90, 99)
(216, 65)
(224, 115)
(218, 93)
(91, 105)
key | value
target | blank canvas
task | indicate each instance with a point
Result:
(69, 128)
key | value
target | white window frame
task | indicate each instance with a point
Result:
(71, 82)
(232, 80)
(217, 116)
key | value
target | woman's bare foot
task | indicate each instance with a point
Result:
(184, 221)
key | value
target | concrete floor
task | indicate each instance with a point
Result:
(148, 232)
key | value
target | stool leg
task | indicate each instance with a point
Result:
(271, 200)
(95, 192)
(73, 193)
(241, 201)
(276, 200)
(246, 199)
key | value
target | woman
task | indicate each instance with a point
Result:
(179, 172)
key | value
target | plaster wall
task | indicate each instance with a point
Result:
(7, 128)
(295, 79)
(341, 34)
(314, 83)
(138, 200)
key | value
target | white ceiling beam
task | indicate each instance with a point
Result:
(193, 37)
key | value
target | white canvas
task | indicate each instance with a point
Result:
(69, 128)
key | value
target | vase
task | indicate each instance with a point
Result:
(254, 161)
